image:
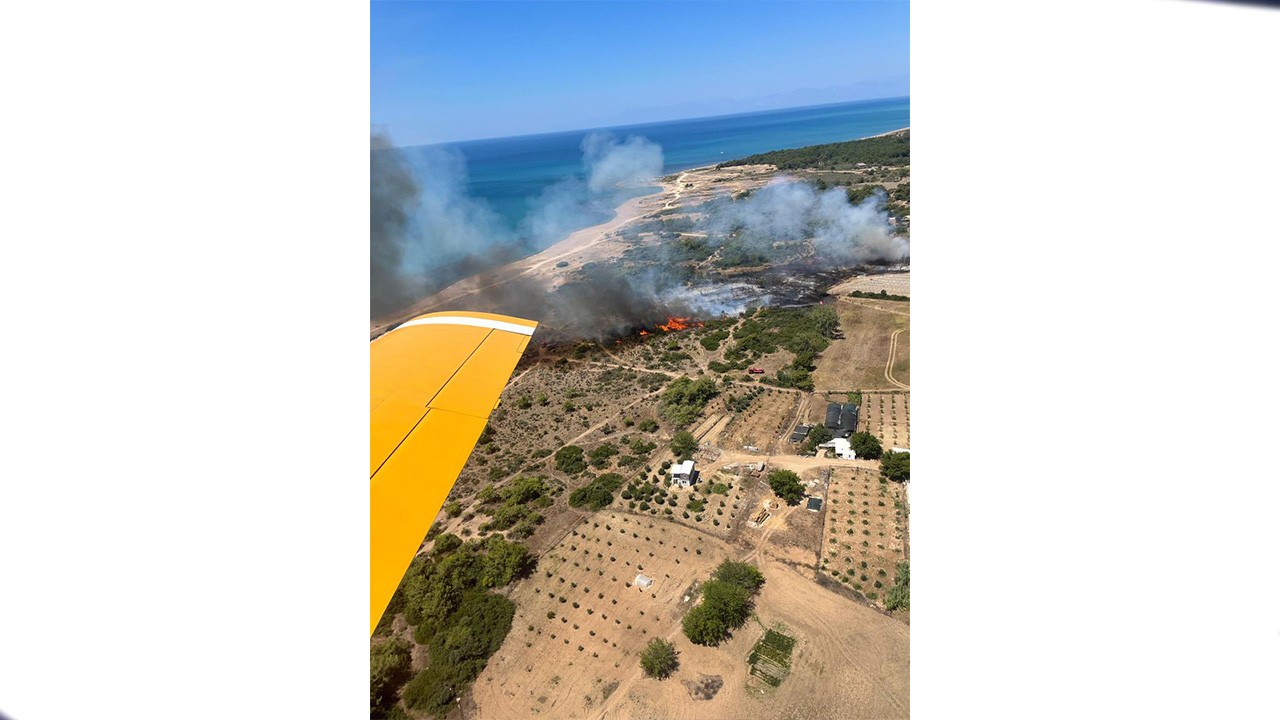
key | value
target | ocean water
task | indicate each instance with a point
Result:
(511, 173)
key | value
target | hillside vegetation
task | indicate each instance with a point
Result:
(890, 150)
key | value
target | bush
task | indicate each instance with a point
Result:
(569, 460)
(598, 493)
(899, 596)
(685, 398)
(388, 670)
(786, 485)
(658, 660)
(460, 650)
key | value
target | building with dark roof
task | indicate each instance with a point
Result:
(833, 416)
(801, 432)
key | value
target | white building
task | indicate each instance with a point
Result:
(683, 474)
(644, 582)
(841, 448)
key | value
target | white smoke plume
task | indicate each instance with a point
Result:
(611, 164)
(787, 210)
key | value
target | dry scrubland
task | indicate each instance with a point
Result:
(865, 531)
(857, 361)
(887, 415)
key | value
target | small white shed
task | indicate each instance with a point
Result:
(644, 582)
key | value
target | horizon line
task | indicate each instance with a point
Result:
(652, 122)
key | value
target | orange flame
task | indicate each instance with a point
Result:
(679, 323)
(644, 332)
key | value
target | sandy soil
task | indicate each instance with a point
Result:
(888, 417)
(847, 658)
(858, 360)
(865, 531)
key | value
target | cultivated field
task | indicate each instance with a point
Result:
(865, 531)
(887, 415)
(764, 423)
(858, 360)
(583, 662)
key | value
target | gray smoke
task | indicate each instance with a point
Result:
(430, 233)
(392, 197)
(612, 169)
(789, 211)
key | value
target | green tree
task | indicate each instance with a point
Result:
(453, 509)
(866, 445)
(504, 562)
(702, 627)
(388, 670)
(786, 485)
(743, 575)
(818, 435)
(446, 544)
(684, 444)
(896, 466)
(658, 660)
(899, 596)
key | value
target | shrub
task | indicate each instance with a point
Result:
(658, 660)
(569, 459)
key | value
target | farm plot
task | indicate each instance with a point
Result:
(712, 506)
(770, 659)
(582, 620)
(888, 417)
(865, 531)
(762, 424)
(857, 360)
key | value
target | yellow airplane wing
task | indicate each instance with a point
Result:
(434, 380)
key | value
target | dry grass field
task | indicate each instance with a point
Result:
(563, 661)
(865, 529)
(891, 283)
(858, 360)
(887, 415)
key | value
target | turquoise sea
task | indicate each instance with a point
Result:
(511, 173)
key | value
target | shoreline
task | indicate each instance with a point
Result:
(578, 241)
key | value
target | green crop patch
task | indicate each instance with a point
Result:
(770, 659)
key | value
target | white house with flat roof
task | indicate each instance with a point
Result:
(841, 447)
(683, 474)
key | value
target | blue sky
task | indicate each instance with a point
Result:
(444, 71)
